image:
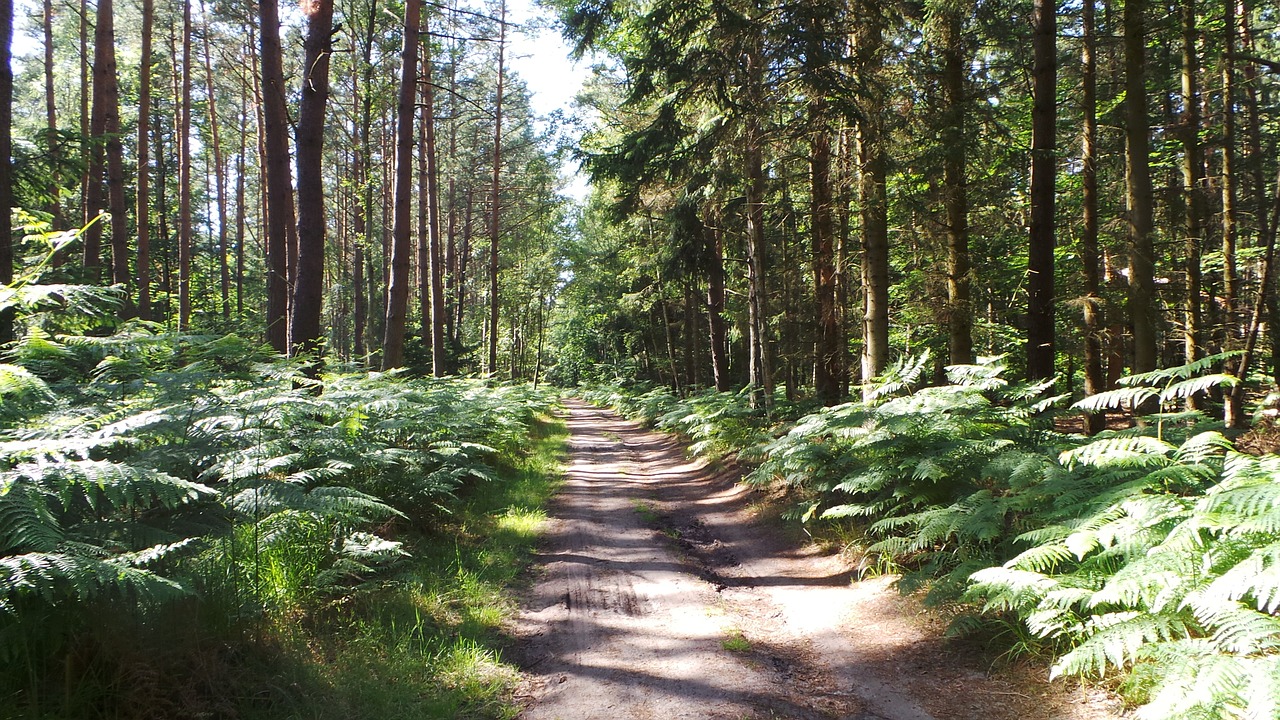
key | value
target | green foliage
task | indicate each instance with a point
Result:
(146, 471)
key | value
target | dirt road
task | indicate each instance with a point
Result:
(660, 595)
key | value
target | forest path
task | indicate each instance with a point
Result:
(660, 594)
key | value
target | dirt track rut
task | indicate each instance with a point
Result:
(659, 595)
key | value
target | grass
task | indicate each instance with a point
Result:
(427, 643)
(736, 641)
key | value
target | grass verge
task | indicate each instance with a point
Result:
(426, 643)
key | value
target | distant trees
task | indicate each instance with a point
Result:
(930, 193)
(238, 112)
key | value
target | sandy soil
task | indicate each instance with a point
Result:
(659, 594)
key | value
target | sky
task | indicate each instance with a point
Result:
(541, 57)
(538, 54)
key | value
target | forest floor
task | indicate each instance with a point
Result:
(661, 592)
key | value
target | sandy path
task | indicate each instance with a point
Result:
(652, 562)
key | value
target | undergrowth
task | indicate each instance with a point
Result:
(191, 526)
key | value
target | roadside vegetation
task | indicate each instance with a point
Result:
(191, 526)
(1147, 553)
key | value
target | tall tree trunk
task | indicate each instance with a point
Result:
(1138, 193)
(1094, 380)
(1230, 182)
(144, 159)
(241, 209)
(1257, 172)
(464, 254)
(94, 200)
(364, 218)
(439, 358)
(717, 335)
(184, 177)
(279, 177)
(85, 121)
(495, 226)
(1193, 182)
(219, 169)
(424, 209)
(873, 162)
(51, 118)
(761, 370)
(305, 334)
(955, 139)
(116, 201)
(828, 340)
(1044, 171)
(6, 167)
(398, 286)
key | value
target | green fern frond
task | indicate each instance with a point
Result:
(26, 522)
(1117, 639)
(1196, 386)
(1140, 451)
(1181, 372)
(104, 484)
(1119, 399)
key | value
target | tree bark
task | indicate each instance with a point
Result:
(1094, 379)
(6, 167)
(495, 226)
(827, 336)
(279, 177)
(437, 311)
(1044, 171)
(956, 200)
(143, 269)
(1138, 193)
(51, 117)
(305, 334)
(184, 177)
(364, 218)
(717, 332)
(219, 169)
(1193, 183)
(873, 171)
(1230, 183)
(94, 199)
(398, 287)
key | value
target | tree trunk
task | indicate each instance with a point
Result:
(873, 161)
(184, 177)
(116, 202)
(305, 334)
(241, 210)
(1094, 380)
(1044, 171)
(144, 158)
(1230, 182)
(398, 287)
(85, 120)
(717, 337)
(495, 228)
(6, 167)
(1192, 181)
(51, 115)
(959, 306)
(439, 358)
(364, 218)
(1138, 193)
(219, 169)
(94, 200)
(279, 178)
(761, 370)
(827, 336)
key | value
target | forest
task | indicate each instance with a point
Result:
(290, 294)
